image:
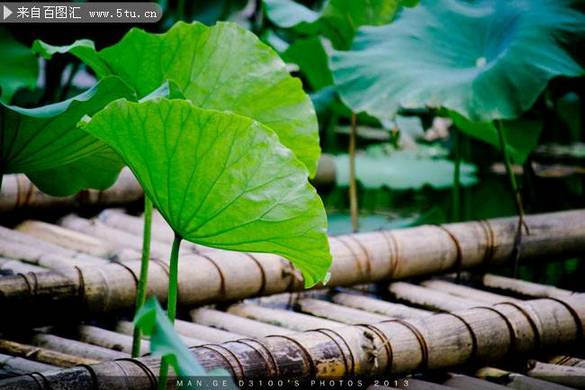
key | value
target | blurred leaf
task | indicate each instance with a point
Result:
(309, 54)
(46, 138)
(402, 170)
(570, 112)
(220, 179)
(19, 68)
(521, 135)
(338, 20)
(223, 67)
(487, 59)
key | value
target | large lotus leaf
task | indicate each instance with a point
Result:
(223, 67)
(99, 171)
(220, 179)
(338, 20)
(403, 170)
(19, 68)
(485, 59)
(47, 137)
(521, 134)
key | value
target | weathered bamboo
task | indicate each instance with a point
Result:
(282, 318)
(16, 266)
(524, 288)
(481, 335)
(108, 339)
(335, 312)
(430, 299)
(565, 375)
(43, 355)
(18, 193)
(76, 348)
(360, 258)
(567, 361)
(191, 340)
(161, 231)
(15, 366)
(378, 306)
(466, 292)
(116, 237)
(189, 330)
(233, 323)
(517, 381)
(67, 238)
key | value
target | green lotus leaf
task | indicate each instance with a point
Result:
(19, 68)
(521, 134)
(47, 137)
(485, 59)
(223, 67)
(220, 179)
(338, 20)
(99, 171)
(311, 57)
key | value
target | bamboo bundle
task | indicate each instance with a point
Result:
(74, 347)
(360, 258)
(18, 192)
(480, 334)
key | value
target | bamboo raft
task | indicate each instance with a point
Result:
(392, 308)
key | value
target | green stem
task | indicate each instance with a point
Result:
(517, 196)
(171, 302)
(456, 191)
(353, 197)
(143, 280)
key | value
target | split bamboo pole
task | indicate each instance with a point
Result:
(466, 292)
(394, 347)
(361, 258)
(19, 193)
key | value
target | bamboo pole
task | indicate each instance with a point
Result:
(108, 339)
(282, 318)
(378, 306)
(15, 366)
(467, 292)
(367, 257)
(233, 323)
(339, 313)
(394, 347)
(190, 331)
(430, 299)
(523, 288)
(517, 381)
(19, 193)
(567, 361)
(43, 355)
(16, 266)
(564, 375)
(67, 238)
(76, 348)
